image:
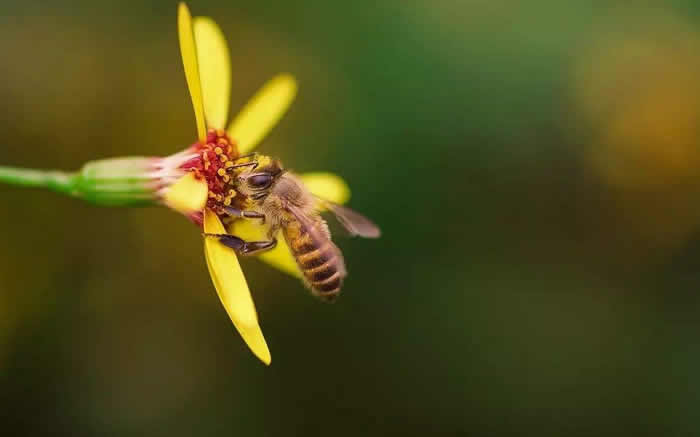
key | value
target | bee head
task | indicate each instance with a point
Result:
(258, 177)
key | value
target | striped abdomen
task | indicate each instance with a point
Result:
(318, 258)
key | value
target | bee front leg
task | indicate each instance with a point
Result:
(243, 247)
(245, 214)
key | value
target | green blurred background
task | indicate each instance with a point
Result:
(535, 167)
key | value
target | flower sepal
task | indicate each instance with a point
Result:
(118, 182)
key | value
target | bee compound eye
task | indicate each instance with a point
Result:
(260, 181)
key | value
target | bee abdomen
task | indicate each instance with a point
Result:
(325, 280)
(303, 244)
(321, 273)
(322, 266)
(328, 286)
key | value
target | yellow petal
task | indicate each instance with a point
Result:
(189, 61)
(280, 257)
(327, 186)
(232, 288)
(262, 112)
(214, 69)
(187, 195)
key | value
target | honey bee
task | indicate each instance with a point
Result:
(279, 198)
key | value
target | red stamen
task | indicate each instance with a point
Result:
(212, 158)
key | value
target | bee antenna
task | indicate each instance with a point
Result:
(253, 164)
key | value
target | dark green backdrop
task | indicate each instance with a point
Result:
(535, 167)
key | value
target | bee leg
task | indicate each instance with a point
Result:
(245, 214)
(243, 247)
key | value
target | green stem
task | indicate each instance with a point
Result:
(58, 181)
(110, 182)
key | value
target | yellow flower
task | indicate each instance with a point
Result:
(206, 63)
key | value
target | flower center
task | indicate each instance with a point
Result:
(216, 156)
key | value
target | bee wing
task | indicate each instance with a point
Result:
(308, 224)
(318, 231)
(319, 234)
(353, 221)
